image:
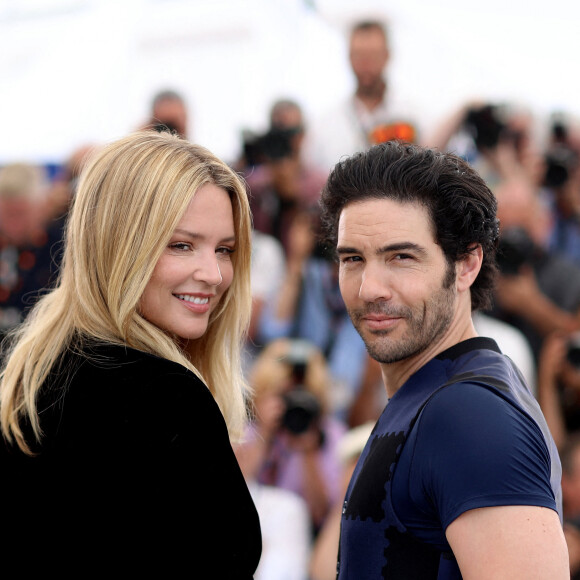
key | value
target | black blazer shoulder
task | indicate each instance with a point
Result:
(117, 397)
(135, 470)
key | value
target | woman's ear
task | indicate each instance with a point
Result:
(468, 268)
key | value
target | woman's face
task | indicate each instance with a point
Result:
(195, 269)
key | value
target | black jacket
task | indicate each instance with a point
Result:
(135, 475)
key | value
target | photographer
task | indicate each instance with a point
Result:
(281, 182)
(538, 290)
(495, 138)
(559, 385)
(292, 443)
(309, 306)
(562, 188)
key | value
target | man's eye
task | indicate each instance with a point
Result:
(350, 259)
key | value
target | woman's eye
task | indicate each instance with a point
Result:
(180, 246)
(225, 250)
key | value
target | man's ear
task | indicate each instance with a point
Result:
(468, 268)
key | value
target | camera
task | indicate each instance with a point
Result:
(487, 127)
(560, 159)
(274, 145)
(302, 410)
(515, 249)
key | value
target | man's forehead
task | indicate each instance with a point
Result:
(384, 217)
(381, 208)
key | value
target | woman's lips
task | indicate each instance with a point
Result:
(199, 303)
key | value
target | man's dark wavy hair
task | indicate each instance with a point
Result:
(461, 206)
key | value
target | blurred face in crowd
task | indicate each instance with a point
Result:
(368, 57)
(173, 113)
(195, 269)
(290, 117)
(395, 280)
(19, 219)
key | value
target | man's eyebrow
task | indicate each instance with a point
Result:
(346, 250)
(385, 249)
(402, 246)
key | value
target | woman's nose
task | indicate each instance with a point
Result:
(208, 271)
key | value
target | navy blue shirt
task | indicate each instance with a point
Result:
(464, 432)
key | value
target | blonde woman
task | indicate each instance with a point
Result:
(122, 390)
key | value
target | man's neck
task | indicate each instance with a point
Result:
(395, 375)
(371, 96)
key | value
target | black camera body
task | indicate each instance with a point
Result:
(560, 162)
(515, 249)
(274, 145)
(302, 410)
(487, 127)
(561, 159)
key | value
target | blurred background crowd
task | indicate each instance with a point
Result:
(316, 391)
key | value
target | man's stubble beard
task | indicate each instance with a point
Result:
(424, 326)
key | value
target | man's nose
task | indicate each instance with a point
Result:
(374, 284)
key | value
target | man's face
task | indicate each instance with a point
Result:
(395, 281)
(173, 113)
(368, 56)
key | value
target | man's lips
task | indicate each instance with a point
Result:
(380, 321)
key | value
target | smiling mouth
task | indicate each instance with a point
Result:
(192, 299)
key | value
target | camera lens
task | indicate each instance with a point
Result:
(302, 410)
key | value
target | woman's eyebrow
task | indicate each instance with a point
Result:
(196, 236)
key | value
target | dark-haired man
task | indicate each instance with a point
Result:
(460, 477)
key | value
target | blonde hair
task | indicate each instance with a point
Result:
(131, 195)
